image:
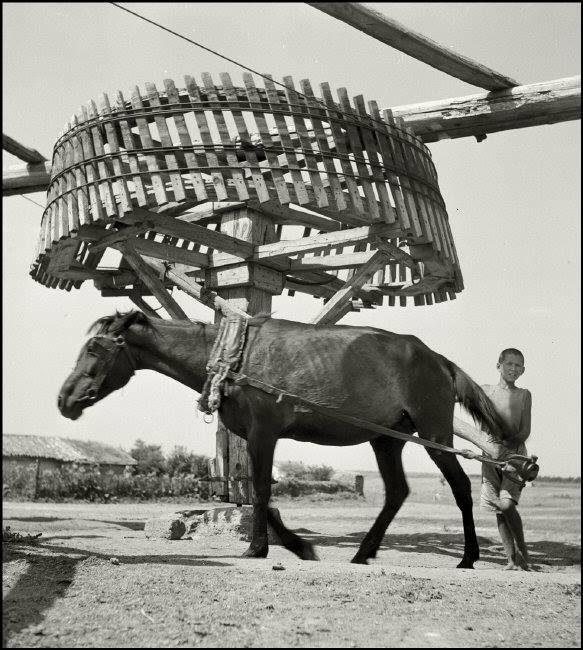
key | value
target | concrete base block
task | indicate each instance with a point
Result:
(172, 526)
(236, 521)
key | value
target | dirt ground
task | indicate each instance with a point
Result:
(66, 592)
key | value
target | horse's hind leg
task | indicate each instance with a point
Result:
(388, 455)
(294, 543)
(462, 491)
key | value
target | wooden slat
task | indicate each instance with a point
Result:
(317, 116)
(61, 192)
(107, 195)
(232, 160)
(147, 143)
(97, 211)
(340, 143)
(372, 152)
(120, 184)
(276, 105)
(72, 199)
(258, 108)
(192, 160)
(408, 192)
(142, 305)
(133, 159)
(166, 141)
(250, 155)
(300, 126)
(353, 133)
(406, 40)
(205, 135)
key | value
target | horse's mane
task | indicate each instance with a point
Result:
(119, 322)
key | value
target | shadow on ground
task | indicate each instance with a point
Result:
(50, 571)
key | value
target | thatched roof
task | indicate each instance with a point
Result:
(63, 449)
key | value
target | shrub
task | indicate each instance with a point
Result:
(297, 470)
(294, 487)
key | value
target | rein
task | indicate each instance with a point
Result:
(524, 466)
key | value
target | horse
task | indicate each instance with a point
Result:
(389, 379)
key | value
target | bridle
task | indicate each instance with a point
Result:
(106, 349)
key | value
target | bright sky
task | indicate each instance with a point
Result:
(513, 202)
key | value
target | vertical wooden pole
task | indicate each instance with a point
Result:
(232, 460)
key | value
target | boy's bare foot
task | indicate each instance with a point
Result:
(522, 562)
(511, 567)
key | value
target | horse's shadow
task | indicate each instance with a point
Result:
(542, 552)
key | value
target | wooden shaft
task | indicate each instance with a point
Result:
(20, 151)
(402, 38)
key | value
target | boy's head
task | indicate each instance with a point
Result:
(510, 364)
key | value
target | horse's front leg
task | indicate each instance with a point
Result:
(261, 447)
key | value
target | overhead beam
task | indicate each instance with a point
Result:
(26, 179)
(21, 151)
(536, 104)
(420, 47)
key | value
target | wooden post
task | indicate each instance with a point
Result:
(249, 225)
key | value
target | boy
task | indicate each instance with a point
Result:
(499, 493)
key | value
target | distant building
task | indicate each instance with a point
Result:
(25, 457)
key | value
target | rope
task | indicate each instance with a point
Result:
(259, 74)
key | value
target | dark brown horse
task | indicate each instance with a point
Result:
(385, 378)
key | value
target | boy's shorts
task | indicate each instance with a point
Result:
(497, 486)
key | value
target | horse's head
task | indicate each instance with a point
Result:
(105, 364)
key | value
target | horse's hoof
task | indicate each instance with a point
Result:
(358, 560)
(465, 564)
(255, 553)
(308, 553)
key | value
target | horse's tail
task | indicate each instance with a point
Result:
(473, 398)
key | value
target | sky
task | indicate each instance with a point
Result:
(513, 202)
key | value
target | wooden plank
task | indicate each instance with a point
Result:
(193, 232)
(324, 241)
(205, 135)
(547, 102)
(27, 154)
(312, 166)
(72, 201)
(366, 131)
(133, 159)
(353, 133)
(336, 122)
(277, 107)
(120, 184)
(250, 154)
(166, 142)
(317, 116)
(97, 211)
(398, 156)
(152, 281)
(107, 196)
(147, 143)
(62, 190)
(192, 160)
(232, 160)
(142, 305)
(82, 192)
(258, 109)
(26, 179)
(406, 40)
(334, 308)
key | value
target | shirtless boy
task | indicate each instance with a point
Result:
(499, 494)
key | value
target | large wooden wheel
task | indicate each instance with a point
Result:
(352, 196)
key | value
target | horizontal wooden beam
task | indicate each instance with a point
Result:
(20, 151)
(26, 179)
(420, 47)
(536, 104)
(325, 241)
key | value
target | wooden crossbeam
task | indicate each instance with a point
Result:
(138, 300)
(26, 179)
(152, 281)
(335, 308)
(536, 104)
(402, 38)
(325, 241)
(177, 274)
(20, 151)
